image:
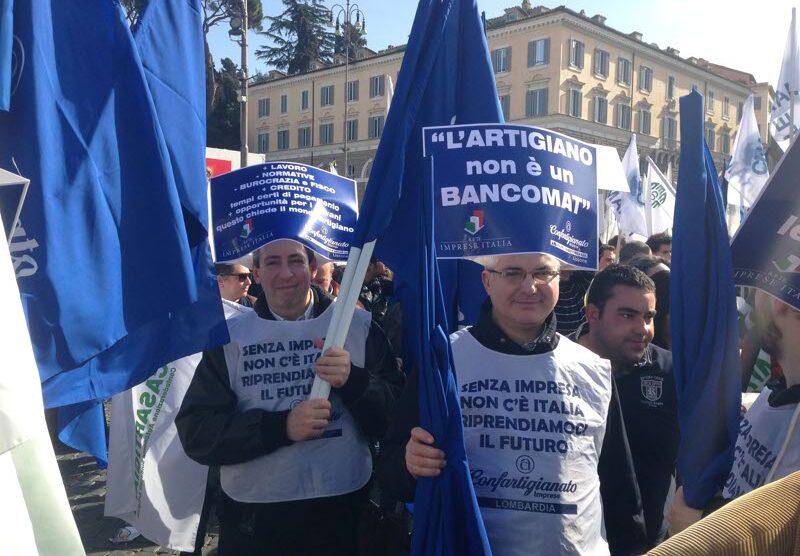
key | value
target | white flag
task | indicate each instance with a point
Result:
(152, 483)
(747, 173)
(35, 517)
(389, 92)
(786, 92)
(629, 207)
(660, 200)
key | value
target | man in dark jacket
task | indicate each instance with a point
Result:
(536, 410)
(293, 471)
(620, 314)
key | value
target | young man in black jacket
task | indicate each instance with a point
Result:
(293, 471)
(620, 317)
(542, 425)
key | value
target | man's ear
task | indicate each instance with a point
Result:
(592, 313)
(485, 280)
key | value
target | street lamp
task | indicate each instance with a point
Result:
(344, 20)
(238, 34)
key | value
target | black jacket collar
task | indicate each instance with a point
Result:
(321, 302)
(492, 337)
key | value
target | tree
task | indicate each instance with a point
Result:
(355, 35)
(299, 37)
(223, 121)
(214, 12)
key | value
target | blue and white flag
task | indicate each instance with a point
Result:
(766, 249)
(660, 206)
(747, 172)
(446, 77)
(787, 100)
(491, 181)
(703, 318)
(111, 251)
(282, 200)
(7, 62)
(629, 207)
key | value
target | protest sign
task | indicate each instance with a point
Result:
(501, 189)
(282, 200)
(766, 249)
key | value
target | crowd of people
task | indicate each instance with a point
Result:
(568, 400)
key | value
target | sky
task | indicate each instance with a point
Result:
(748, 36)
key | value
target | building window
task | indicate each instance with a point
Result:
(351, 170)
(710, 102)
(645, 79)
(726, 107)
(375, 125)
(624, 71)
(505, 105)
(710, 138)
(326, 96)
(303, 137)
(538, 52)
(644, 121)
(725, 142)
(576, 50)
(670, 132)
(352, 91)
(756, 103)
(624, 116)
(263, 107)
(284, 104)
(575, 103)
(351, 130)
(501, 59)
(377, 85)
(601, 110)
(739, 110)
(601, 58)
(283, 139)
(304, 100)
(536, 103)
(670, 87)
(263, 142)
(326, 134)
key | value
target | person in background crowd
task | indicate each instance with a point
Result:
(607, 255)
(569, 309)
(515, 346)
(615, 242)
(632, 249)
(620, 314)
(234, 281)
(294, 471)
(324, 279)
(659, 272)
(661, 246)
(768, 445)
(377, 289)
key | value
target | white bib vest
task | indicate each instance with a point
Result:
(762, 432)
(270, 364)
(533, 429)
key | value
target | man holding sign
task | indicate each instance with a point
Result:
(293, 471)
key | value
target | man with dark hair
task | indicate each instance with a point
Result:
(607, 255)
(293, 471)
(620, 308)
(633, 249)
(234, 281)
(661, 246)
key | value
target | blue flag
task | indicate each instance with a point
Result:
(703, 317)
(111, 253)
(446, 77)
(6, 54)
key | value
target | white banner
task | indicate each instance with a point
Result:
(786, 105)
(660, 200)
(629, 208)
(747, 173)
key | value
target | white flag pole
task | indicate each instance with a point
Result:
(344, 308)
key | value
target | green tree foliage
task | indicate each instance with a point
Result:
(223, 121)
(356, 37)
(299, 37)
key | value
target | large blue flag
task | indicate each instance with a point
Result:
(703, 317)
(446, 77)
(111, 252)
(6, 44)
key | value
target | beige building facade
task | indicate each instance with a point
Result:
(554, 68)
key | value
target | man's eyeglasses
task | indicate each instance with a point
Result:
(242, 276)
(516, 276)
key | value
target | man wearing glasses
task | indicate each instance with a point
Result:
(542, 426)
(234, 281)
